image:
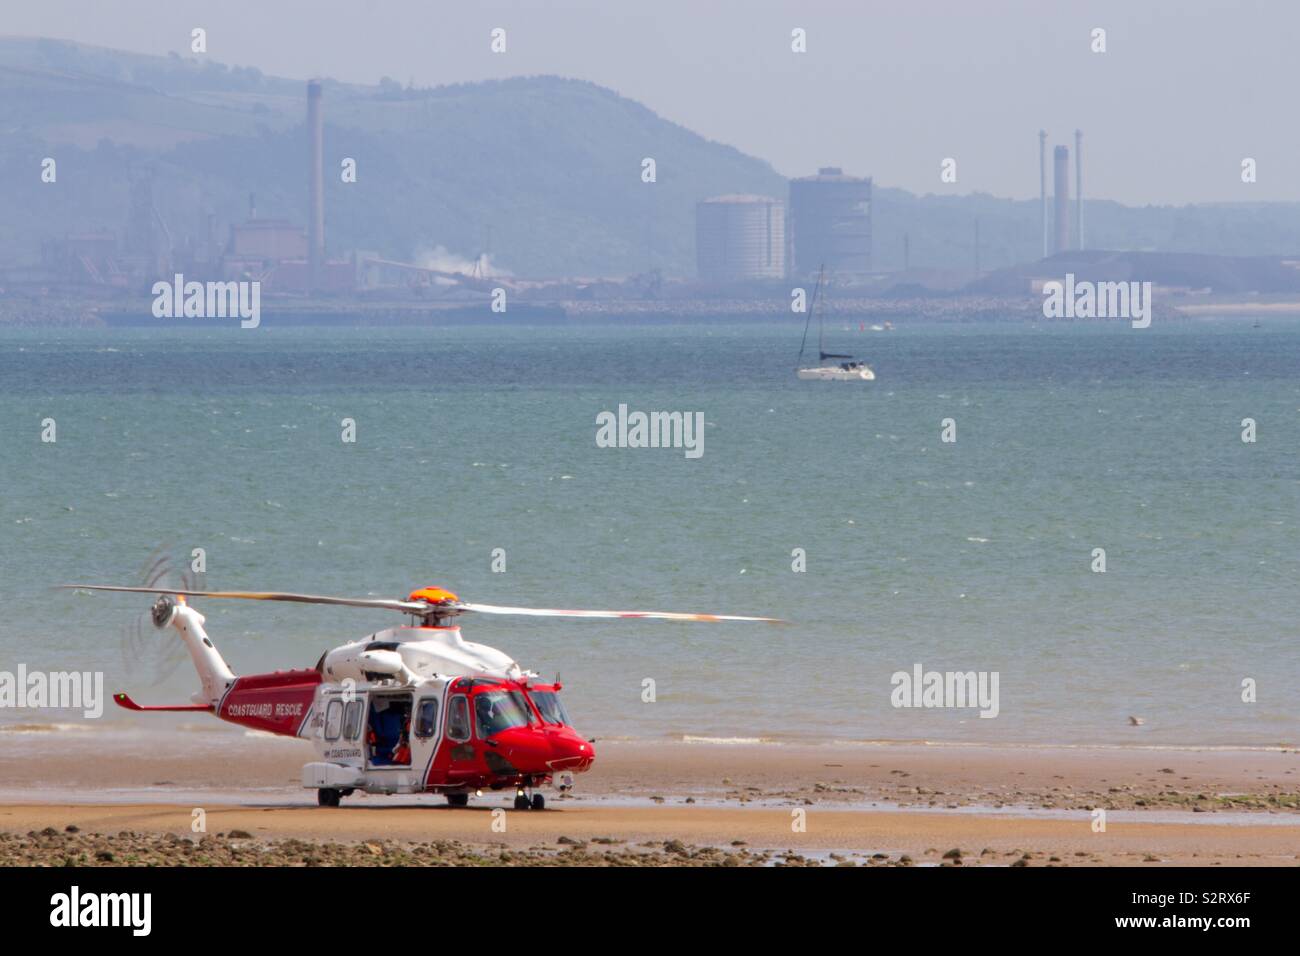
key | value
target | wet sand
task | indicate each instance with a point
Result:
(220, 767)
(664, 803)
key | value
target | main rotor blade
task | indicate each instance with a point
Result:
(410, 607)
(653, 615)
(423, 607)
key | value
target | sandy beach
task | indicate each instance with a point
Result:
(668, 803)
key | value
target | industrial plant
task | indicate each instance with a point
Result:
(285, 258)
(894, 254)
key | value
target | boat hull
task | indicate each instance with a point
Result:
(835, 374)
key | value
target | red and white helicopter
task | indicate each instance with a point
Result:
(409, 709)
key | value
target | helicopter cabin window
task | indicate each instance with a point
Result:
(426, 718)
(498, 710)
(458, 718)
(352, 720)
(550, 707)
(333, 718)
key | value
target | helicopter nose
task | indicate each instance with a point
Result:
(537, 750)
(570, 751)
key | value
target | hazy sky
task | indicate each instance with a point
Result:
(1185, 90)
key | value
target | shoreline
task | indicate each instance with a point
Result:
(177, 734)
(940, 308)
(901, 773)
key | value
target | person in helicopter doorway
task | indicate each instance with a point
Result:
(402, 752)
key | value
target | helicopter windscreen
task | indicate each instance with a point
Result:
(498, 710)
(550, 707)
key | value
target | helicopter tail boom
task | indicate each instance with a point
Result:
(278, 703)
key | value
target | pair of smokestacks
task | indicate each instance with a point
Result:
(1058, 240)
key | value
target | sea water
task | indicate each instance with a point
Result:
(475, 467)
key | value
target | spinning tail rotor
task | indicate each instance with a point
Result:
(141, 640)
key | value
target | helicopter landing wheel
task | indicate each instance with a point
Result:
(327, 797)
(538, 802)
(521, 802)
(458, 799)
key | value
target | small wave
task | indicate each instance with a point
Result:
(692, 739)
(41, 728)
(267, 735)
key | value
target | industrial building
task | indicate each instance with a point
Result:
(740, 237)
(830, 224)
(275, 239)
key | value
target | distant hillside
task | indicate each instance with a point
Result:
(543, 172)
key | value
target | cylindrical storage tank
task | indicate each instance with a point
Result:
(740, 237)
(830, 224)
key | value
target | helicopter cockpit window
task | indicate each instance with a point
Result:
(458, 719)
(333, 718)
(352, 720)
(498, 710)
(426, 719)
(550, 707)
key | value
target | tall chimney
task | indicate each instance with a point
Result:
(1078, 189)
(1042, 183)
(316, 214)
(1062, 165)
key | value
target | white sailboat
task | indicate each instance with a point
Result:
(849, 370)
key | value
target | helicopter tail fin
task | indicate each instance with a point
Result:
(215, 675)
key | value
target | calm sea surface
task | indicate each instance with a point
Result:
(974, 555)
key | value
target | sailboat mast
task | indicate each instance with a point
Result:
(804, 341)
(821, 319)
